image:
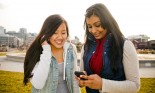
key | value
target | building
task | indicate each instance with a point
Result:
(10, 41)
(2, 30)
(4, 39)
(30, 38)
(16, 39)
(142, 42)
(151, 44)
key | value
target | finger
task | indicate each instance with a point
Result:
(88, 83)
(76, 78)
(84, 77)
(81, 83)
(87, 77)
(84, 72)
(91, 77)
(44, 43)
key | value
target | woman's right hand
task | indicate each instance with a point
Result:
(45, 43)
(92, 81)
(80, 82)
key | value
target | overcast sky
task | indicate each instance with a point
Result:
(133, 16)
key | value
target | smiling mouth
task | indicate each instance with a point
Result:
(96, 35)
(59, 42)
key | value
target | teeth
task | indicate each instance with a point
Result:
(59, 42)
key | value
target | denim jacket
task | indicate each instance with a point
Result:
(70, 65)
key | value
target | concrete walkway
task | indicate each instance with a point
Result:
(6, 65)
(10, 65)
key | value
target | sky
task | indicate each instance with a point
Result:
(134, 17)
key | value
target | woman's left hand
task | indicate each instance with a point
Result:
(94, 81)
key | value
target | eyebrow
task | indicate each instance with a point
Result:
(97, 22)
(61, 30)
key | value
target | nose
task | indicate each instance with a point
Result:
(60, 36)
(93, 30)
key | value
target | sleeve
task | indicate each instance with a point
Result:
(131, 68)
(76, 88)
(41, 69)
(81, 59)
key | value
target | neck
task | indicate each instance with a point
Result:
(58, 54)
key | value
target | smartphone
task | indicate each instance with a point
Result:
(78, 73)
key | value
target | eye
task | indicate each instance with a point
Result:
(89, 26)
(64, 32)
(98, 25)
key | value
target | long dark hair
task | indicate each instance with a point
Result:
(108, 23)
(49, 27)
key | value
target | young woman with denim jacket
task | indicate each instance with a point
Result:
(50, 61)
(109, 60)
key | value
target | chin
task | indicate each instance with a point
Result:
(98, 38)
(59, 46)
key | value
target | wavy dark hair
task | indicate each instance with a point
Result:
(110, 24)
(49, 27)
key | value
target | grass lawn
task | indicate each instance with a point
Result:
(3, 53)
(11, 82)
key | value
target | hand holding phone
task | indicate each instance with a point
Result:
(78, 73)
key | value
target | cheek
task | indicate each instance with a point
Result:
(51, 40)
(89, 31)
(103, 33)
(65, 37)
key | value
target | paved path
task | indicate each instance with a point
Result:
(10, 65)
(145, 72)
